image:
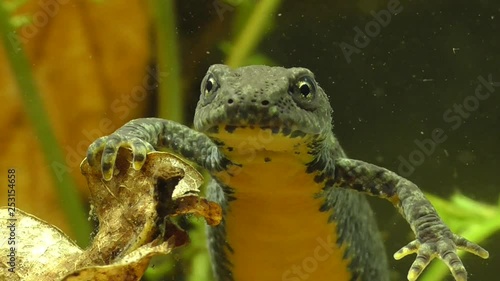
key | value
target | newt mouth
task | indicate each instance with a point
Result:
(278, 118)
(288, 131)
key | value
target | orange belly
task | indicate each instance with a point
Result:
(275, 227)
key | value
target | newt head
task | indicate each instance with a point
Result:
(283, 106)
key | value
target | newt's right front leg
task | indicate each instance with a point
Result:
(149, 134)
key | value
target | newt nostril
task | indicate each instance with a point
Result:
(230, 101)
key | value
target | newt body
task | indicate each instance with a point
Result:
(292, 203)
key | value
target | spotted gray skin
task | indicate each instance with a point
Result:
(272, 98)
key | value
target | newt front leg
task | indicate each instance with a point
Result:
(433, 237)
(144, 135)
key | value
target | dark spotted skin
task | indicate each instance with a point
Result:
(290, 106)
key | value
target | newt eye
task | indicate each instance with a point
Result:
(210, 85)
(304, 89)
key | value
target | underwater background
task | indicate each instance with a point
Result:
(402, 76)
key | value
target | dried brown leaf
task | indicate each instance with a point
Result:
(132, 206)
(133, 209)
(42, 251)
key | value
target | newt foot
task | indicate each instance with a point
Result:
(109, 146)
(444, 248)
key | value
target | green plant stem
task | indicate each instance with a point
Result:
(200, 261)
(171, 106)
(252, 33)
(33, 103)
(169, 92)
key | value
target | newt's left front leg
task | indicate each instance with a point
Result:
(433, 237)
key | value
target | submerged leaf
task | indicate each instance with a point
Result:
(37, 249)
(133, 209)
